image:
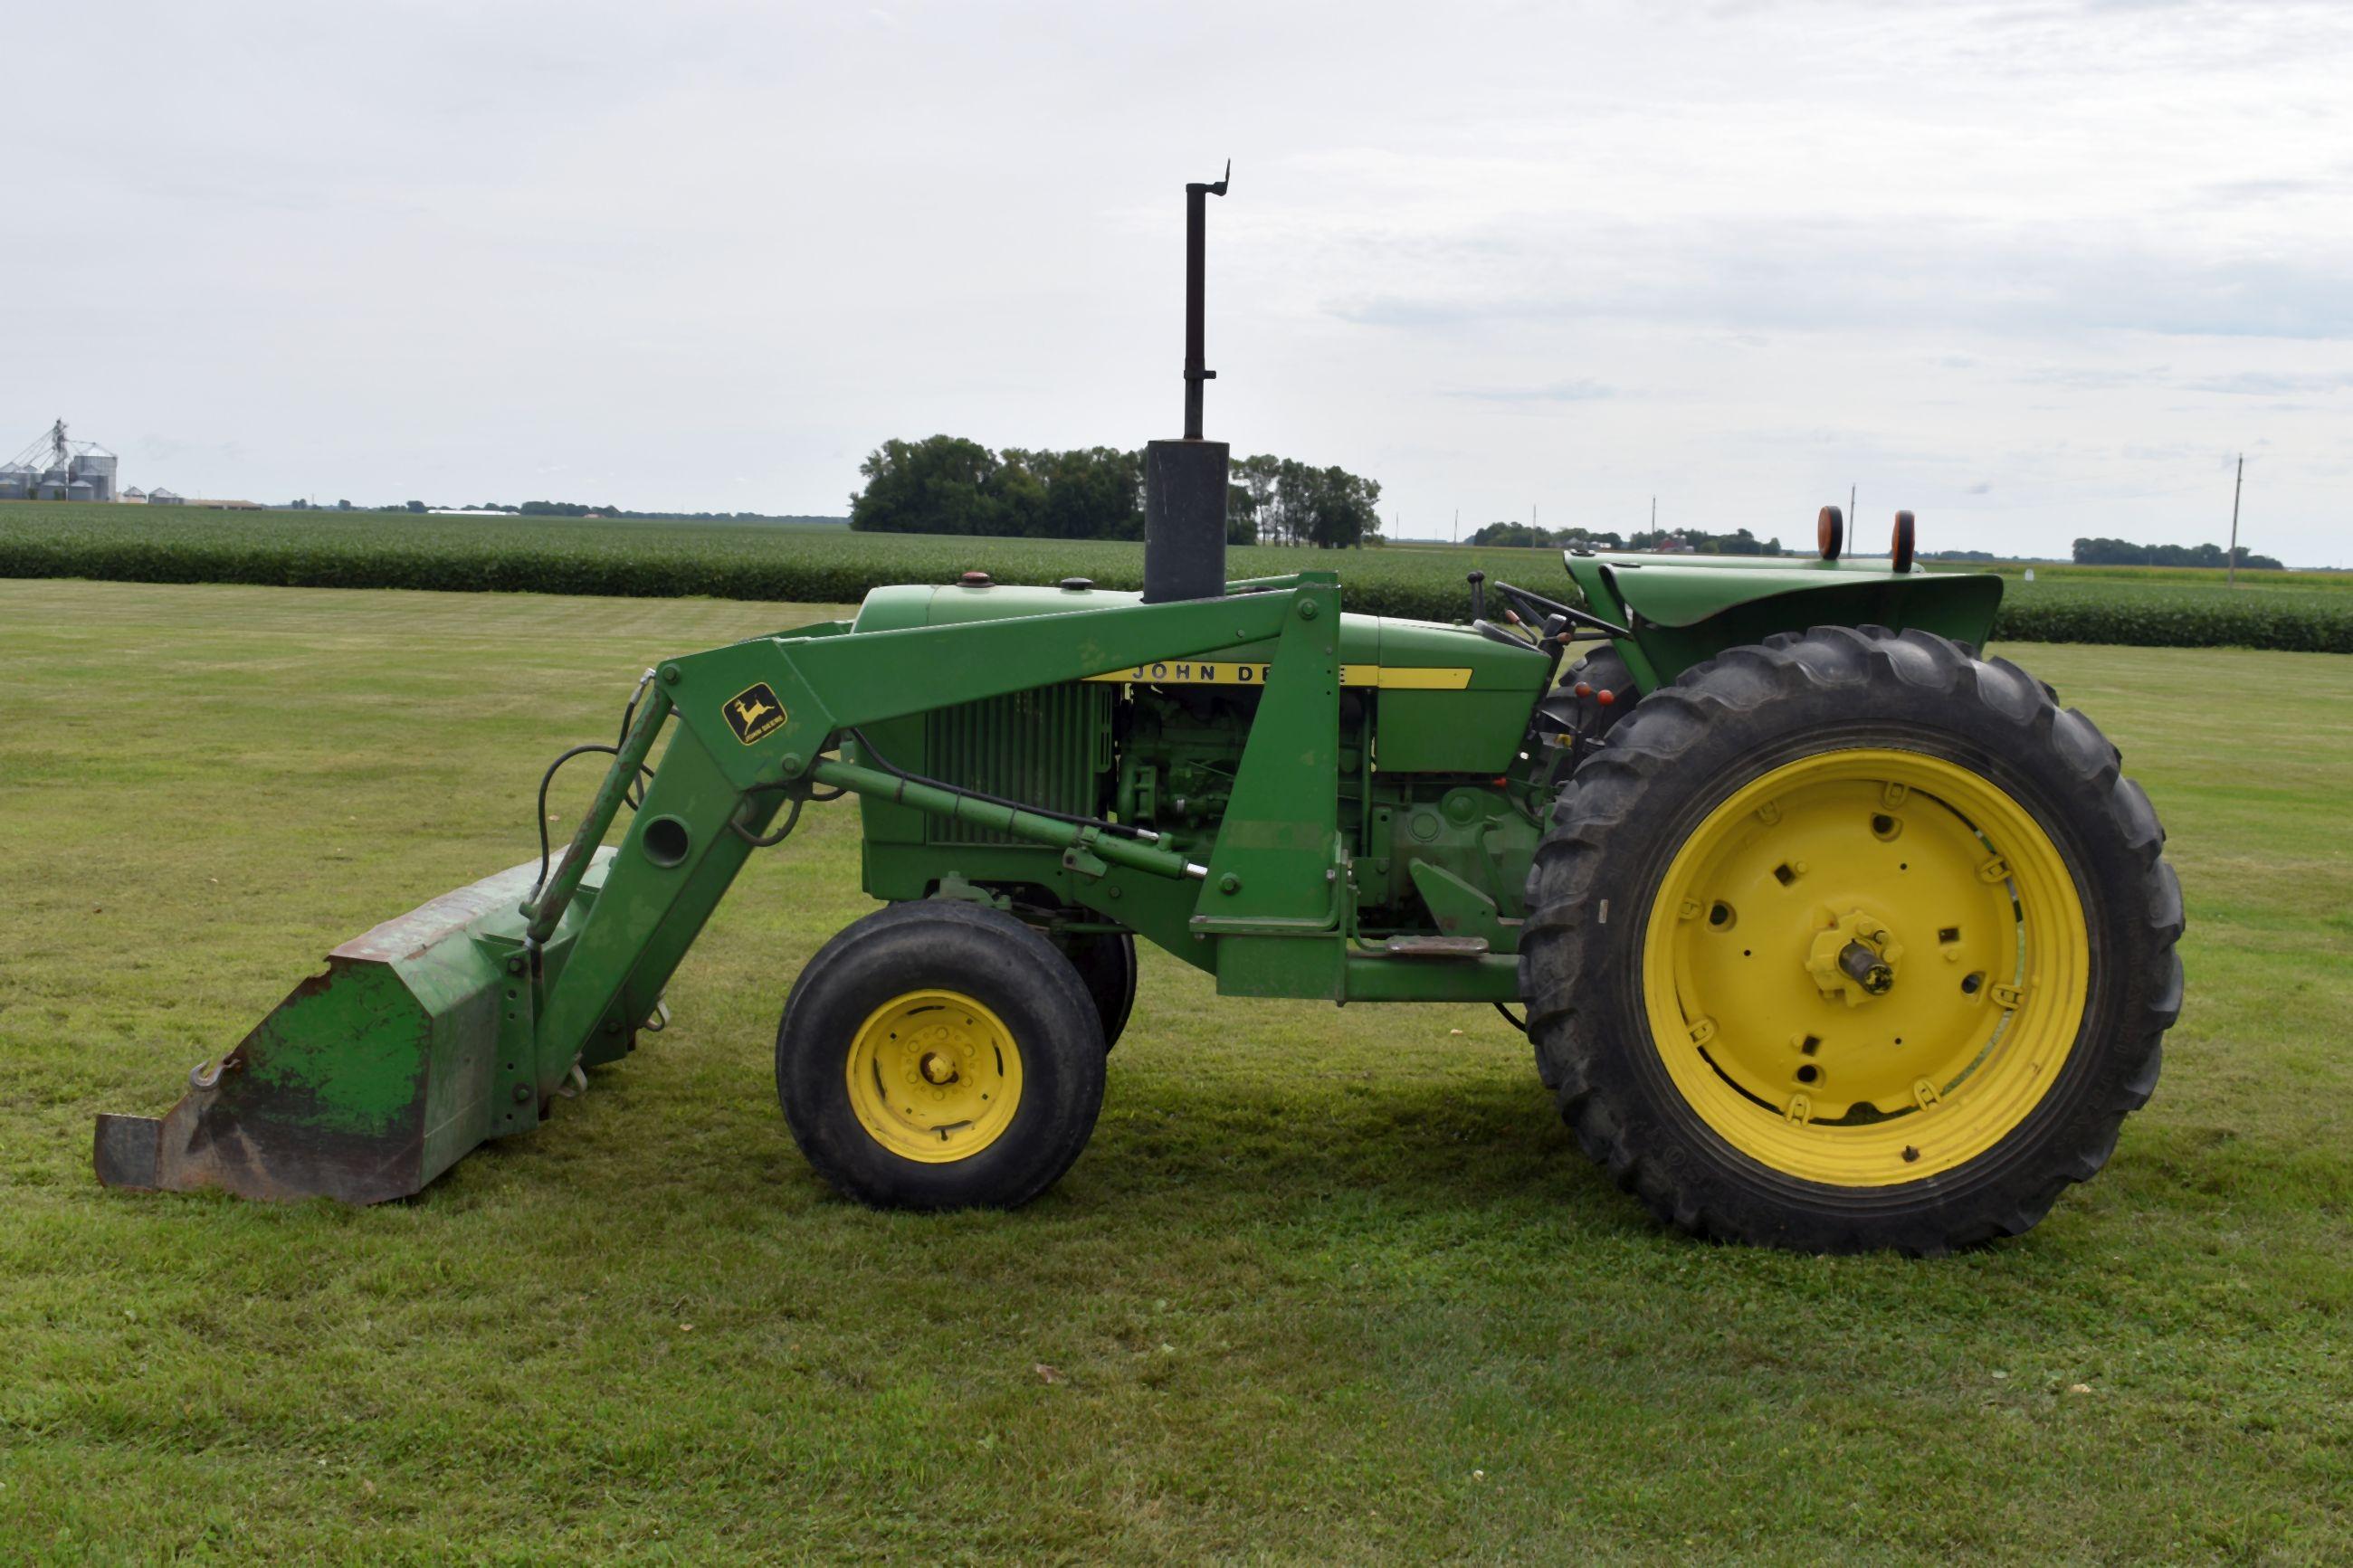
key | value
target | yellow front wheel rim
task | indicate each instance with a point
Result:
(1865, 967)
(934, 1075)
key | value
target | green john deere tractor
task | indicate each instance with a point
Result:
(1830, 933)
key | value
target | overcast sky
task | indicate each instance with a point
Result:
(2034, 270)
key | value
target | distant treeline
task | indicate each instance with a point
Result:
(946, 484)
(2123, 552)
(574, 508)
(1519, 536)
(581, 508)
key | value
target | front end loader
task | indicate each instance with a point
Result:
(1829, 931)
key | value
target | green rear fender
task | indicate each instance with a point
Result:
(1685, 611)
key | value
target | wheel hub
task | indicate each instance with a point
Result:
(934, 1075)
(1854, 958)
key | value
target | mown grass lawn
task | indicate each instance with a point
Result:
(1329, 1286)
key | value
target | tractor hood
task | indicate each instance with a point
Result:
(1450, 700)
(1378, 650)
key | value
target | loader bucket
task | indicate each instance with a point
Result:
(368, 1080)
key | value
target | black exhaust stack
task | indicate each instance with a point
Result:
(1184, 480)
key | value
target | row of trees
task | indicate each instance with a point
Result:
(1521, 536)
(947, 484)
(583, 508)
(554, 509)
(566, 508)
(1277, 500)
(2123, 552)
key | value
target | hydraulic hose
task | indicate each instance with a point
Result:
(1019, 821)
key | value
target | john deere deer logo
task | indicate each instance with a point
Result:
(753, 713)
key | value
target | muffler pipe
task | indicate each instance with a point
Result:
(1184, 480)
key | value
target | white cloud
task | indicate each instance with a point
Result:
(2031, 268)
(1579, 390)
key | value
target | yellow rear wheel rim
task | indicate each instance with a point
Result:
(934, 1075)
(1964, 908)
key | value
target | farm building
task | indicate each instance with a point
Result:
(158, 495)
(57, 469)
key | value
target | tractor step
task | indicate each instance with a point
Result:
(1437, 947)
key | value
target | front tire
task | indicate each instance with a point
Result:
(1851, 940)
(936, 1055)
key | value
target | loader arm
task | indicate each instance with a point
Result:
(681, 854)
(461, 1022)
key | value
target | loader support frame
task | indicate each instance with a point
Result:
(476, 1009)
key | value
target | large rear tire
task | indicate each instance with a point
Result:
(1852, 941)
(936, 1055)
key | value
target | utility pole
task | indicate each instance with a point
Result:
(1458, 525)
(1532, 525)
(1850, 519)
(2237, 480)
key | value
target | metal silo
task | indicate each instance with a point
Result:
(98, 468)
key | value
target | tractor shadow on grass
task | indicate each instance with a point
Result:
(1486, 1144)
(1461, 1132)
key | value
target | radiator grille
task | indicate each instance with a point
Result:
(1045, 747)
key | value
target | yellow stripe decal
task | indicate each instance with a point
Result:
(1234, 672)
(1419, 678)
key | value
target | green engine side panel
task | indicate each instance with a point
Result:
(1471, 731)
(1472, 728)
(1686, 610)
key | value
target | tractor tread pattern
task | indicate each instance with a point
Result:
(1567, 953)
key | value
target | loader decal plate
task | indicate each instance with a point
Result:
(1231, 673)
(754, 712)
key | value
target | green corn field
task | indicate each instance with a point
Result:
(2308, 612)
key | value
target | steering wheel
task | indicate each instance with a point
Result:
(1494, 633)
(1523, 609)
